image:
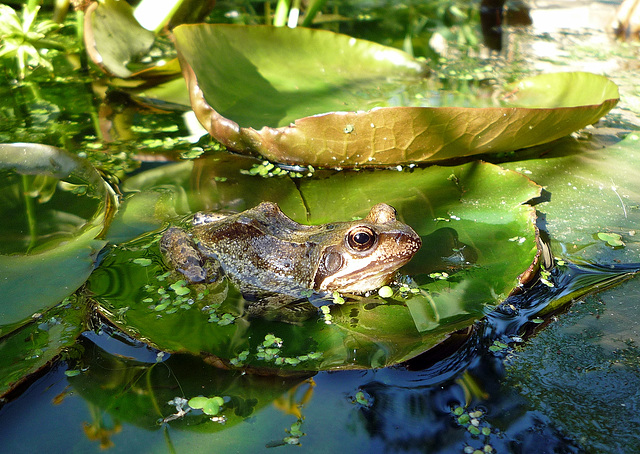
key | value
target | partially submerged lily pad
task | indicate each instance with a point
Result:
(593, 213)
(303, 96)
(56, 206)
(479, 241)
(25, 351)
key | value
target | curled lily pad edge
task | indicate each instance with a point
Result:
(298, 143)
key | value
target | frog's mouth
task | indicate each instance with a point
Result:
(359, 281)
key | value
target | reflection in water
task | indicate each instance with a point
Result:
(451, 395)
(129, 387)
(441, 401)
(101, 429)
(445, 252)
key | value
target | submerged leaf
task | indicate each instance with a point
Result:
(25, 351)
(302, 96)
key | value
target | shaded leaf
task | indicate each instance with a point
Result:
(113, 37)
(49, 243)
(25, 351)
(146, 394)
(156, 196)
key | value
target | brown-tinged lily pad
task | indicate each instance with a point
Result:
(303, 96)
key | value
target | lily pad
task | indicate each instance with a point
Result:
(593, 199)
(113, 37)
(55, 208)
(157, 196)
(25, 351)
(479, 243)
(302, 96)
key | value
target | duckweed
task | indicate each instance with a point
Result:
(142, 261)
(180, 287)
(364, 399)
(612, 239)
(267, 169)
(209, 405)
(546, 278)
(473, 423)
(498, 346)
(270, 350)
(326, 315)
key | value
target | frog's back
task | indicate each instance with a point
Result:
(261, 248)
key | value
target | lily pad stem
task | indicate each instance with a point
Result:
(32, 4)
(312, 10)
(152, 395)
(31, 212)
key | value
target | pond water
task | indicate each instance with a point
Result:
(525, 377)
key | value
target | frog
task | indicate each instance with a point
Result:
(276, 262)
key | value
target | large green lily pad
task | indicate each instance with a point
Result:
(55, 208)
(303, 96)
(157, 196)
(479, 241)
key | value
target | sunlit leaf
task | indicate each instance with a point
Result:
(304, 96)
(592, 191)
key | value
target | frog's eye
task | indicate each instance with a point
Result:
(361, 238)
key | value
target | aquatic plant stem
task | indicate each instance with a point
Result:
(282, 13)
(32, 4)
(60, 10)
(312, 10)
(30, 210)
(154, 15)
(84, 61)
(167, 437)
(267, 12)
(152, 395)
(294, 14)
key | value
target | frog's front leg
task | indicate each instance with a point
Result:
(182, 253)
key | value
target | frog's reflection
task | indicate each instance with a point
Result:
(442, 251)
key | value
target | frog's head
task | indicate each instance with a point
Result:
(364, 255)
